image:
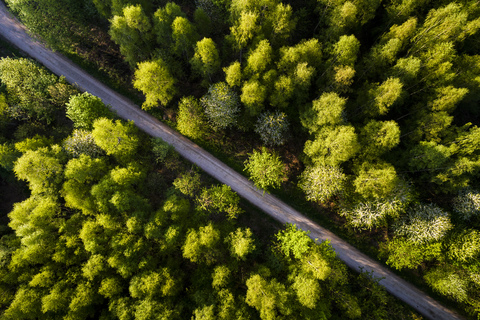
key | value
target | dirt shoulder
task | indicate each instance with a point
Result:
(15, 33)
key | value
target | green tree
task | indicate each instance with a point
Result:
(384, 96)
(83, 109)
(424, 223)
(269, 298)
(241, 243)
(448, 282)
(233, 74)
(221, 105)
(154, 79)
(132, 31)
(82, 142)
(184, 36)
(467, 203)
(162, 22)
(253, 95)
(116, 138)
(220, 199)
(206, 61)
(272, 128)
(201, 246)
(42, 168)
(244, 30)
(333, 145)
(376, 181)
(321, 183)
(191, 120)
(259, 58)
(346, 50)
(27, 85)
(265, 169)
(378, 137)
(329, 109)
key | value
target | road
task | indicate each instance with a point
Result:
(14, 32)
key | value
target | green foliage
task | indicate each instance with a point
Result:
(162, 22)
(155, 80)
(132, 31)
(82, 142)
(160, 149)
(220, 199)
(116, 138)
(27, 85)
(448, 282)
(265, 169)
(272, 128)
(8, 156)
(201, 245)
(233, 74)
(321, 183)
(464, 246)
(241, 243)
(191, 120)
(378, 137)
(346, 50)
(83, 109)
(259, 58)
(293, 242)
(184, 37)
(188, 183)
(467, 203)
(41, 168)
(269, 298)
(221, 105)
(253, 95)
(206, 60)
(333, 145)
(329, 109)
(424, 223)
(384, 96)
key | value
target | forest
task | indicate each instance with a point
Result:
(365, 110)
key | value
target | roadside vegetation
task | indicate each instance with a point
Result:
(366, 111)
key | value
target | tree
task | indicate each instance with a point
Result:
(259, 58)
(321, 183)
(188, 183)
(27, 85)
(253, 95)
(293, 242)
(82, 142)
(42, 169)
(241, 243)
(464, 246)
(206, 60)
(329, 109)
(132, 31)
(85, 108)
(244, 29)
(116, 138)
(403, 253)
(384, 96)
(346, 50)
(154, 79)
(269, 298)
(272, 128)
(184, 36)
(265, 169)
(201, 245)
(424, 223)
(333, 145)
(162, 22)
(221, 105)
(191, 120)
(378, 137)
(233, 74)
(220, 199)
(448, 282)
(467, 203)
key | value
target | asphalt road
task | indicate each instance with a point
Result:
(14, 32)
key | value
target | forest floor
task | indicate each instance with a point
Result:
(15, 33)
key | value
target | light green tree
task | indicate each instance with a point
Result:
(253, 95)
(154, 79)
(272, 128)
(265, 169)
(84, 108)
(184, 36)
(206, 60)
(132, 31)
(321, 183)
(116, 138)
(221, 105)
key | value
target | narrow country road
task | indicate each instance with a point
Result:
(14, 32)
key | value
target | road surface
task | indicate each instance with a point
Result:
(15, 33)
